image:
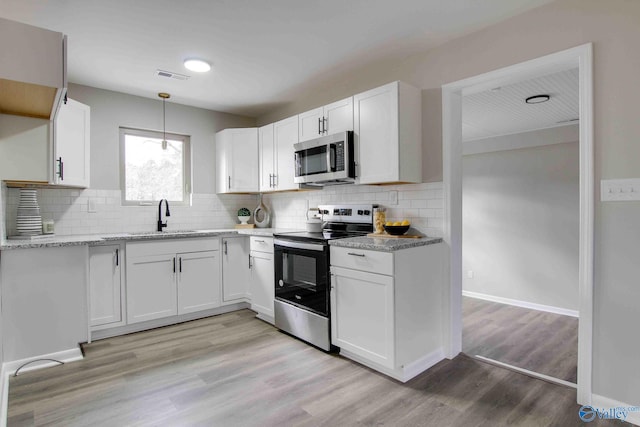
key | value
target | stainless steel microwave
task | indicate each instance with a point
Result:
(327, 160)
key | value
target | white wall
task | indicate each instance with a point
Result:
(521, 224)
(112, 110)
(109, 111)
(612, 27)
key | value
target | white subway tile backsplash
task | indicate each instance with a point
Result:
(420, 203)
(289, 209)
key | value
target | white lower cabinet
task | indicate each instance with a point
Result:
(171, 277)
(262, 277)
(389, 319)
(198, 281)
(363, 314)
(235, 269)
(105, 286)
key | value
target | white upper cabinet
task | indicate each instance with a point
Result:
(33, 70)
(237, 161)
(267, 152)
(332, 118)
(276, 142)
(71, 145)
(388, 133)
(285, 134)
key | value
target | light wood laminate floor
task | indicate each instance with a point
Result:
(538, 341)
(235, 370)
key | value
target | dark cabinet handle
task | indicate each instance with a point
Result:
(250, 262)
(174, 264)
(319, 126)
(354, 254)
(180, 259)
(229, 182)
(117, 257)
(60, 168)
(225, 247)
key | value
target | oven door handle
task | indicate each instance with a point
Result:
(298, 245)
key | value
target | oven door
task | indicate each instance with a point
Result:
(302, 275)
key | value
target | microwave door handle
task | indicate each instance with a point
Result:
(331, 157)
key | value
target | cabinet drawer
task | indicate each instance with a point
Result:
(358, 259)
(172, 246)
(261, 244)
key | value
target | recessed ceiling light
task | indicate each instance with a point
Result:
(197, 65)
(537, 99)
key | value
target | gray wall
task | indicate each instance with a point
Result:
(111, 110)
(612, 27)
(521, 224)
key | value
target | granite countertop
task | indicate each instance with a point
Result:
(384, 244)
(75, 240)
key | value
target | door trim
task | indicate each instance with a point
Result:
(581, 57)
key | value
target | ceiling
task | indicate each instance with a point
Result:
(261, 51)
(503, 111)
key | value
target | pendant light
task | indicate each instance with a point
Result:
(164, 97)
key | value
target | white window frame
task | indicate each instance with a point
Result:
(186, 165)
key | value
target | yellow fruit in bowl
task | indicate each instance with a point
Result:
(405, 222)
(388, 223)
(397, 223)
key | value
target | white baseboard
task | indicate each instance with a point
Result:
(65, 356)
(9, 368)
(601, 402)
(4, 402)
(404, 373)
(523, 304)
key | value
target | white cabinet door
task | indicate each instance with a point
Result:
(376, 127)
(267, 157)
(105, 284)
(332, 118)
(151, 287)
(71, 144)
(237, 156)
(310, 124)
(235, 269)
(285, 135)
(339, 116)
(198, 281)
(262, 284)
(243, 169)
(362, 314)
(388, 134)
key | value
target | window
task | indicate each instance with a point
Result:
(151, 171)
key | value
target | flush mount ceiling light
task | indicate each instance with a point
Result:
(164, 97)
(197, 65)
(537, 99)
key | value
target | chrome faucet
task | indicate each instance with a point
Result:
(161, 224)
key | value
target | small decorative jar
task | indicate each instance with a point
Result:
(244, 215)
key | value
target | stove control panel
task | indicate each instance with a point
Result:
(347, 213)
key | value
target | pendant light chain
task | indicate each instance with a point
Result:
(164, 97)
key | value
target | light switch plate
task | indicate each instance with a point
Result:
(620, 190)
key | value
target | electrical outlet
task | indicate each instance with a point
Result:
(619, 190)
(91, 206)
(393, 197)
(470, 274)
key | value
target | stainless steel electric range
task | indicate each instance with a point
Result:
(302, 280)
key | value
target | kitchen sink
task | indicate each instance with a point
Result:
(168, 232)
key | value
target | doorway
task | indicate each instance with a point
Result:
(452, 95)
